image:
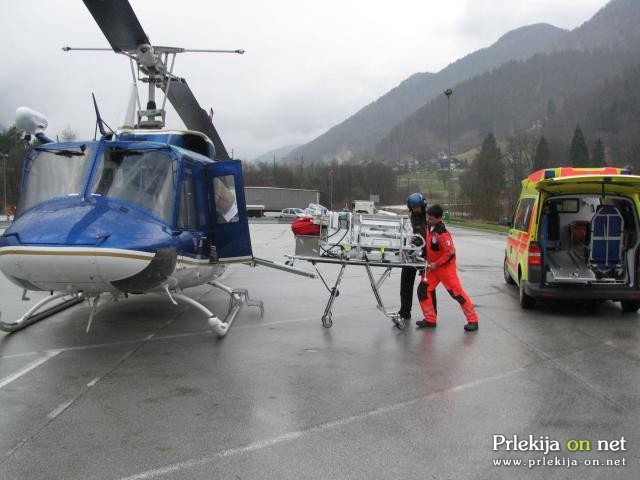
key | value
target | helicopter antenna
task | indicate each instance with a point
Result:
(99, 121)
(98, 117)
(124, 33)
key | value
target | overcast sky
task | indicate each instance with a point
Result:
(307, 66)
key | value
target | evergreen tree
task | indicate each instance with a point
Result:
(598, 155)
(579, 154)
(483, 182)
(68, 135)
(551, 107)
(542, 158)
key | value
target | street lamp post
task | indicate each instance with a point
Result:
(448, 92)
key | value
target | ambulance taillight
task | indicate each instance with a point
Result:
(535, 255)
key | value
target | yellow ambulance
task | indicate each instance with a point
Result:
(575, 234)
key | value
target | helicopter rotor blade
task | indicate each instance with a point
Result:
(119, 23)
(193, 116)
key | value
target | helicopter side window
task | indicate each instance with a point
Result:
(54, 173)
(187, 218)
(143, 178)
(224, 190)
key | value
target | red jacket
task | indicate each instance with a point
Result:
(440, 248)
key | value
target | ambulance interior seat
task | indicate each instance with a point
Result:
(605, 246)
(549, 228)
(553, 225)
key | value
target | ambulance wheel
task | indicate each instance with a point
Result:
(526, 302)
(326, 321)
(630, 306)
(507, 276)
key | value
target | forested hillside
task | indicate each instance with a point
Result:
(610, 112)
(359, 134)
(516, 96)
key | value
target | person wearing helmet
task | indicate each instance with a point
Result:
(417, 205)
(441, 267)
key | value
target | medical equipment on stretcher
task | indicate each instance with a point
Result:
(363, 240)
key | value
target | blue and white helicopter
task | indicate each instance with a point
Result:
(141, 210)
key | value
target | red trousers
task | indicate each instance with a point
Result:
(448, 275)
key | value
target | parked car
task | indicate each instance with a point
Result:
(292, 213)
(575, 234)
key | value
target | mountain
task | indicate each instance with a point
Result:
(614, 26)
(277, 153)
(520, 94)
(514, 97)
(358, 134)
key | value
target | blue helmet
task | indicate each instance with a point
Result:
(416, 200)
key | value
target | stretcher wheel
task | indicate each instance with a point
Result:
(399, 322)
(326, 321)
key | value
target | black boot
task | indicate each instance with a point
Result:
(425, 324)
(471, 326)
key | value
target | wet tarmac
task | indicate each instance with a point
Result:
(150, 392)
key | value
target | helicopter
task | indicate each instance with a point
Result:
(142, 210)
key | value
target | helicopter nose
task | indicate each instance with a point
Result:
(79, 247)
(71, 268)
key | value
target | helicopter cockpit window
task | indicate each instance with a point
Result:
(54, 173)
(144, 178)
(187, 217)
(224, 189)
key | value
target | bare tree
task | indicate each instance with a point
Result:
(68, 134)
(521, 149)
(484, 181)
(445, 175)
(518, 159)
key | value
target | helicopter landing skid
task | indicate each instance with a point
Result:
(237, 297)
(33, 315)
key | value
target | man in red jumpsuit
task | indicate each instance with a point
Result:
(441, 267)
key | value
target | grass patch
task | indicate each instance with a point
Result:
(491, 227)
(429, 183)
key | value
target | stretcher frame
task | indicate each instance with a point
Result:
(344, 262)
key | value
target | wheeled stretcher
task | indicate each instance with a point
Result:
(327, 321)
(363, 241)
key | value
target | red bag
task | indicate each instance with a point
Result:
(304, 226)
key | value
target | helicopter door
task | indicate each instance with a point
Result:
(228, 213)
